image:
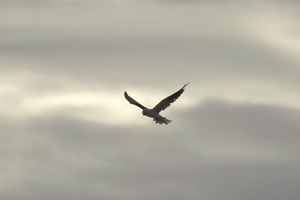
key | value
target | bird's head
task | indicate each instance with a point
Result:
(144, 112)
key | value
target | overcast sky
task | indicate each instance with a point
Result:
(67, 132)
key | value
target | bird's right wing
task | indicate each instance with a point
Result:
(132, 101)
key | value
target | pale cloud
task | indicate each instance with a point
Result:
(34, 95)
(278, 29)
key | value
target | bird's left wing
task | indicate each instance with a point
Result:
(166, 102)
(132, 101)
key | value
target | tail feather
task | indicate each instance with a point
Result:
(162, 120)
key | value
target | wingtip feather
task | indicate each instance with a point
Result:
(185, 85)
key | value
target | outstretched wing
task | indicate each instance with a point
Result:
(163, 104)
(132, 101)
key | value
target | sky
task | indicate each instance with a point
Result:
(67, 132)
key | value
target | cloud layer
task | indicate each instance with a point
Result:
(68, 133)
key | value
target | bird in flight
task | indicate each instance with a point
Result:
(162, 105)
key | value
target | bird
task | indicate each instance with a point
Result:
(162, 105)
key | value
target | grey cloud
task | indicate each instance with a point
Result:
(67, 158)
(247, 122)
(206, 56)
(40, 3)
(218, 1)
(27, 3)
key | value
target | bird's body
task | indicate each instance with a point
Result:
(162, 105)
(156, 116)
(150, 113)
